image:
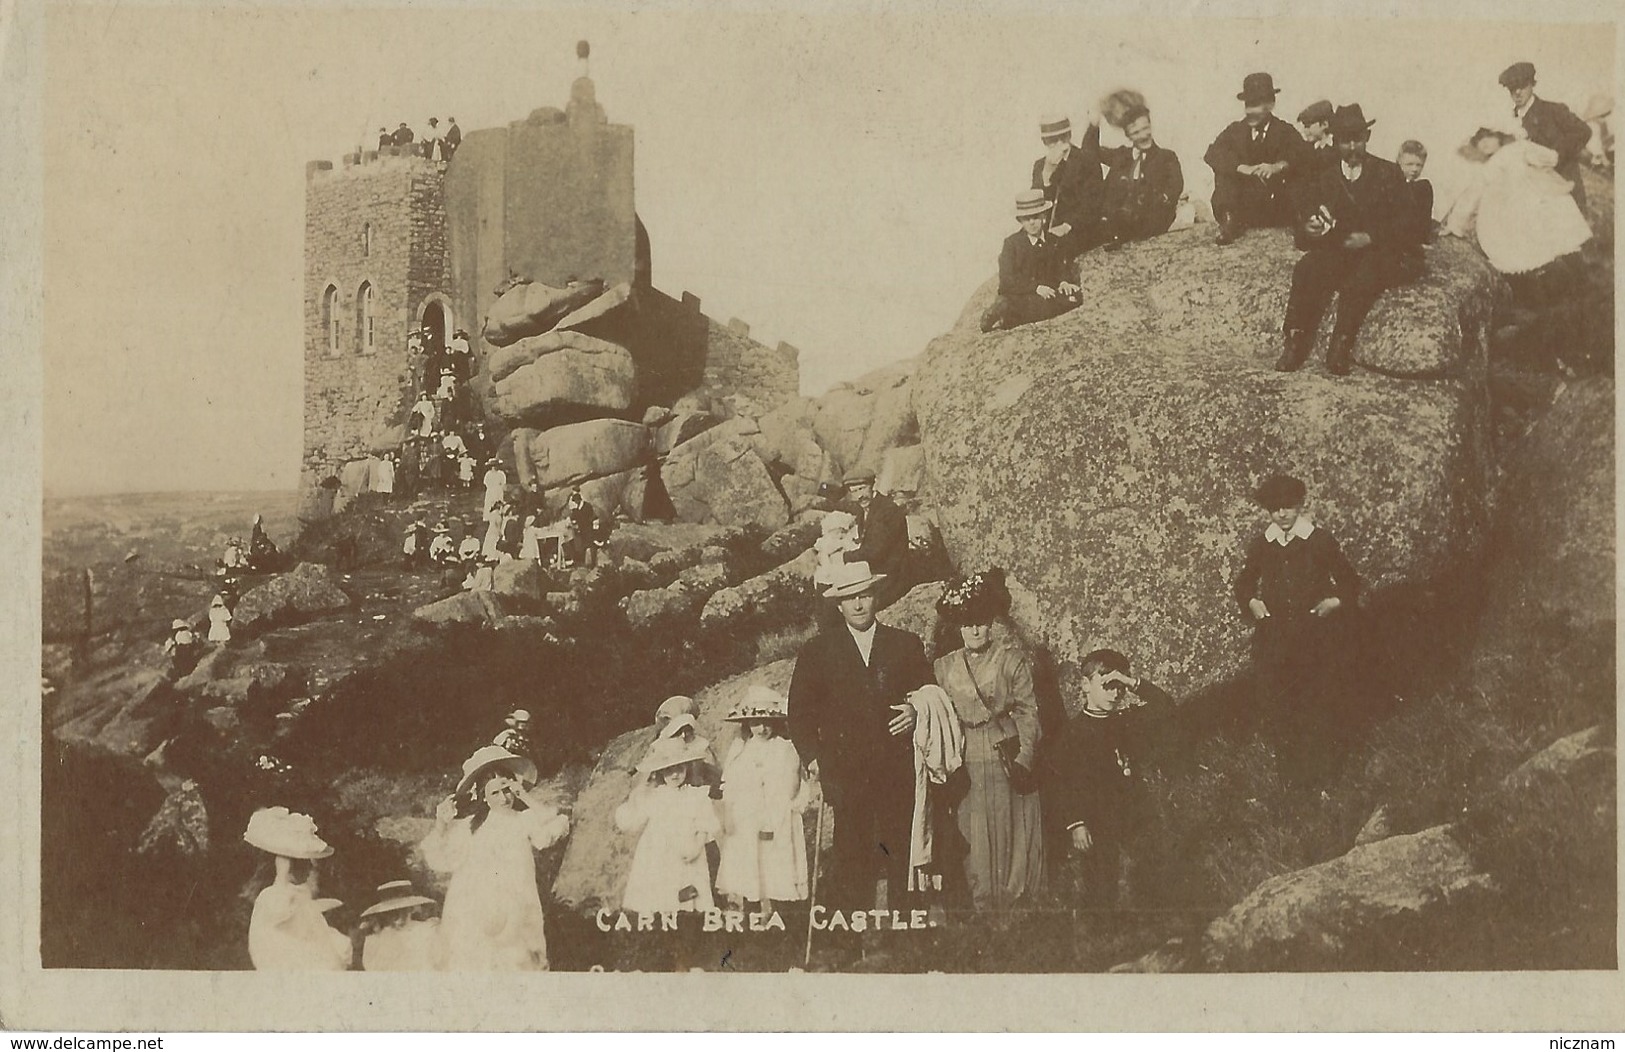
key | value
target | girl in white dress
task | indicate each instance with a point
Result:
(219, 620)
(397, 938)
(287, 930)
(492, 920)
(674, 820)
(764, 845)
(1519, 209)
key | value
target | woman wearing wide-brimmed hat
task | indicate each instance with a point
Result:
(674, 820)
(287, 930)
(990, 683)
(398, 937)
(492, 920)
(764, 845)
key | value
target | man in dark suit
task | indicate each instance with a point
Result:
(1315, 121)
(851, 723)
(1550, 124)
(1253, 161)
(882, 537)
(1070, 179)
(1143, 182)
(1357, 239)
(1033, 281)
(454, 136)
(403, 135)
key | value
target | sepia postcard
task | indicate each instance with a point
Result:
(809, 516)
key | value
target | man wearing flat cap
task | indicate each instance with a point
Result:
(882, 533)
(1253, 160)
(1315, 121)
(1356, 239)
(1070, 180)
(849, 715)
(1549, 124)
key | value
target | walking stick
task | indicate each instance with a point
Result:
(812, 892)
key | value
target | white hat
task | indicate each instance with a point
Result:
(396, 895)
(676, 705)
(178, 624)
(489, 756)
(519, 716)
(286, 833)
(677, 724)
(760, 702)
(328, 904)
(849, 579)
(670, 752)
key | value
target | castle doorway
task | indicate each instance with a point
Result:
(435, 327)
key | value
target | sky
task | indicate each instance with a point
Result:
(841, 181)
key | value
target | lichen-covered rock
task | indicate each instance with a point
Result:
(902, 472)
(305, 592)
(1327, 915)
(787, 438)
(611, 300)
(858, 422)
(464, 608)
(804, 495)
(680, 428)
(574, 453)
(568, 375)
(662, 609)
(520, 579)
(1109, 465)
(592, 873)
(782, 594)
(787, 542)
(717, 477)
(917, 611)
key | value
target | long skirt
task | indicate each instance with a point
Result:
(1003, 829)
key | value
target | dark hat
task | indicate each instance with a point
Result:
(1349, 123)
(1280, 491)
(1257, 87)
(1518, 75)
(975, 600)
(1317, 112)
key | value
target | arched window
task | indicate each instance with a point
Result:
(330, 319)
(364, 318)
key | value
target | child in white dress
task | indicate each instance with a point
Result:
(674, 820)
(764, 845)
(287, 930)
(219, 620)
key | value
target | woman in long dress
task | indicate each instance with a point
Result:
(287, 930)
(764, 844)
(674, 821)
(219, 620)
(1518, 208)
(492, 920)
(990, 684)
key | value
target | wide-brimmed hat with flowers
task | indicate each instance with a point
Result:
(976, 599)
(286, 833)
(489, 756)
(760, 702)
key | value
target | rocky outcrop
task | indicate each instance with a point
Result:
(532, 308)
(678, 428)
(561, 375)
(593, 871)
(306, 592)
(127, 710)
(572, 454)
(858, 422)
(717, 477)
(1106, 458)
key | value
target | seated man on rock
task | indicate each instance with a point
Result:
(1033, 281)
(1070, 180)
(882, 534)
(1143, 180)
(1253, 160)
(1357, 240)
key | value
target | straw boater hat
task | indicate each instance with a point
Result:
(670, 752)
(396, 895)
(286, 833)
(1028, 203)
(1054, 126)
(760, 702)
(849, 579)
(490, 756)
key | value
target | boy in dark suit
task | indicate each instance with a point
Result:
(1356, 238)
(1417, 205)
(1253, 161)
(851, 723)
(1070, 180)
(1143, 182)
(1300, 592)
(1094, 774)
(1033, 281)
(1550, 124)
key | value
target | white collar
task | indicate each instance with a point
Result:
(1520, 111)
(1302, 528)
(1036, 241)
(1352, 172)
(866, 634)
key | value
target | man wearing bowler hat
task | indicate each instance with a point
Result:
(851, 723)
(1253, 160)
(1070, 180)
(882, 533)
(1549, 124)
(1356, 239)
(1033, 281)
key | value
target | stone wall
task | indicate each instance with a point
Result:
(352, 391)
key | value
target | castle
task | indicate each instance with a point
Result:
(396, 242)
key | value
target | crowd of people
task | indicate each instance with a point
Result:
(436, 143)
(1362, 222)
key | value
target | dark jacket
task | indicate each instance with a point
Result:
(883, 530)
(1094, 771)
(1074, 189)
(1554, 125)
(1417, 204)
(1292, 578)
(1144, 207)
(1024, 266)
(454, 135)
(840, 709)
(1235, 147)
(1374, 204)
